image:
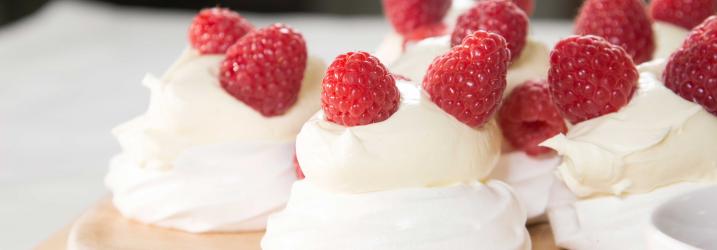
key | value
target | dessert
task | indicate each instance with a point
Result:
(214, 150)
(641, 135)
(530, 175)
(673, 19)
(375, 177)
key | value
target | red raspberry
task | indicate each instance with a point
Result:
(621, 22)
(358, 90)
(590, 77)
(692, 74)
(264, 69)
(706, 31)
(297, 168)
(501, 17)
(468, 81)
(528, 117)
(409, 15)
(213, 30)
(684, 13)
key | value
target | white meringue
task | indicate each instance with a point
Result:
(464, 216)
(531, 179)
(608, 222)
(215, 188)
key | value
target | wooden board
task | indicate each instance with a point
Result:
(102, 227)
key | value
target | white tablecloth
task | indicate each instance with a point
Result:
(72, 71)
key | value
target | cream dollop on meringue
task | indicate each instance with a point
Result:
(188, 107)
(412, 181)
(668, 38)
(533, 62)
(656, 140)
(464, 216)
(200, 160)
(418, 146)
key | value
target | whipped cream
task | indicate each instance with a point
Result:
(414, 62)
(199, 160)
(418, 146)
(531, 179)
(608, 222)
(668, 38)
(465, 216)
(188, 107)
(656, 140)
(215, 188)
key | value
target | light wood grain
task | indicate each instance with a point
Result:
(102, 227)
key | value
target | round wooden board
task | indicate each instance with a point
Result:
(102, 227)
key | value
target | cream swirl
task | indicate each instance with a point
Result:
(418, 146)
(668, 38)
(415, 60)
(188, 107)
(464, 216)
(656, 140)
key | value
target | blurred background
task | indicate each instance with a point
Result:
(15, 9)
(70, 71)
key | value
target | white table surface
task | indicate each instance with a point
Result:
(72, 71)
